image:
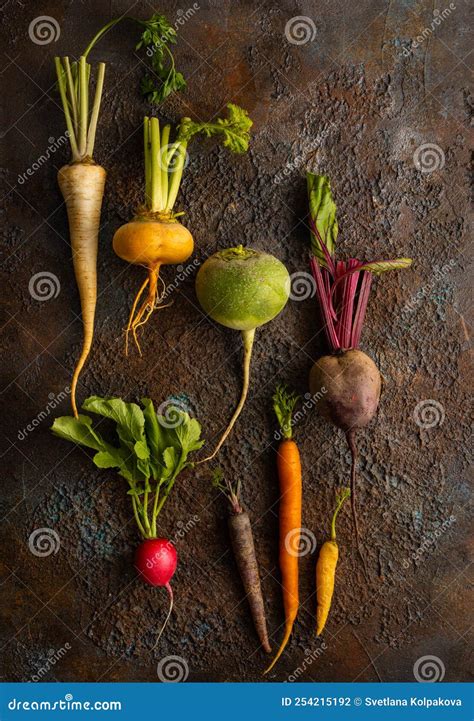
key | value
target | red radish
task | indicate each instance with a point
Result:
(153, 450)
(156, 560)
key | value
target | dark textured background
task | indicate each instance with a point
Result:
(349, 103)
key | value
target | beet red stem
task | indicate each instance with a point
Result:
(359, 316)
(326, 307)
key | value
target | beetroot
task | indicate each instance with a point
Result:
(347, 388)
(346, 384)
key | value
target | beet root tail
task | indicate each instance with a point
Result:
(350, 435)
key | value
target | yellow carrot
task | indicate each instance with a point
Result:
(326, 568)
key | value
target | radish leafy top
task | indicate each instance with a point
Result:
(152, 449)
(342, 287)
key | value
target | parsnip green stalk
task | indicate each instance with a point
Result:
(82, 186)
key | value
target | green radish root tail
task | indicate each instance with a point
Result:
(248, 337)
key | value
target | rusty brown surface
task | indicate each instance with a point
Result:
(350, 103)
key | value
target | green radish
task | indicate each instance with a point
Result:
(243, 289)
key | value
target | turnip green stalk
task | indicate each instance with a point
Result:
(82, 186)
(155, 237)
(350, 378)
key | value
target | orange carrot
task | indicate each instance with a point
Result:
(289, 474)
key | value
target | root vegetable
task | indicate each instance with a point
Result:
(289, 474)
(150, 453)
(156, 560)
(82, 186)
(326, 568)
(243, 289)
(241, 537)
(345, 384)
(155, 237)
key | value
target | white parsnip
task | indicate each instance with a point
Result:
(82, 186)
